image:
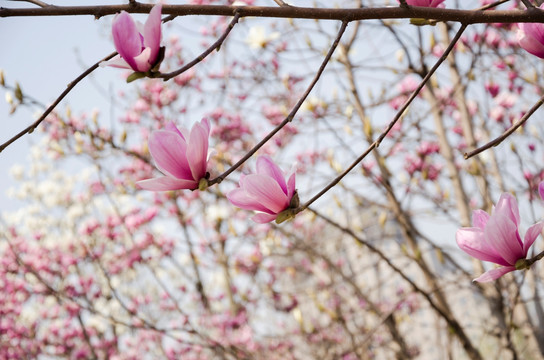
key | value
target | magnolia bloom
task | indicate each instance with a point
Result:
(180, 155)
(138, 45)
(531, 37)
(541, 190)
(266, 191)
(424, 3)
(496, 237)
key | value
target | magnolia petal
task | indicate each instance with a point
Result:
(508, 206)
(502, 234)
(169, 152)
(197, 151)
(116, 62)
(531, 45)
(291, 186)
(152, 33)
(531, 235)
(239, 198)
(263, 218)
(266, 166)
(142, 61)
(172, 127)
(266, 190)
(472, 241)
(479, 218)
(541, 190)
(166, 183)
(494, 274)
(127, 39)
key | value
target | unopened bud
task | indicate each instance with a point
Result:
(522, 264)
(203, 184)
(18, 92)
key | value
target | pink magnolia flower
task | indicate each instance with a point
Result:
(531, 37)
(180, 155)
(266, 191)
(496, 237)
(138, 45)
(425, 3)
(541, 189)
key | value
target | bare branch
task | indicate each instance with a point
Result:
(463, 16)
(293, 112)
(214, 46)
(376, 143)
(527, 4)
(281, 3)
(508, 132)
(35, 2)
(29, 129)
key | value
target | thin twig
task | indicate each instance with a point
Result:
(35, 2)
(29, 129)
(399, 114)
(422, 83)
(70, 86)
(281, 3)
(214, 46)
(527, 4)
(508, 132)
(293, 112)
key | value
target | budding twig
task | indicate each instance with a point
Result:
(377, 142)
(293, 112)
(29, 129)
(214, 46)
(508, 132)
(35, 2)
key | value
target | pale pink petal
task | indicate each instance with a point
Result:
(472, 241)
(197, 150)
(127, 39)
(494, 274)
(266, 166)
(239, 198)
(508, 206)
(291, 186)
(502, 234)
(531, 235)
(168, 150)
(266, 190)
(152, 32)
(166, 183)
(479, 219)
(531, 45)
(142, 61)
(541, 190)
(116, 62)
(263, 218)
(172, 127)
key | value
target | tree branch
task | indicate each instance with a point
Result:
(29, 129)
(291, 115)
(463, 16)
(214, 46)
(508, 132)
(35, 2)
(376, 143)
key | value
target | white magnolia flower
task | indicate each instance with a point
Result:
(257, 37)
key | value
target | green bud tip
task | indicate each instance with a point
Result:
(203, 184)
(522, 264)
